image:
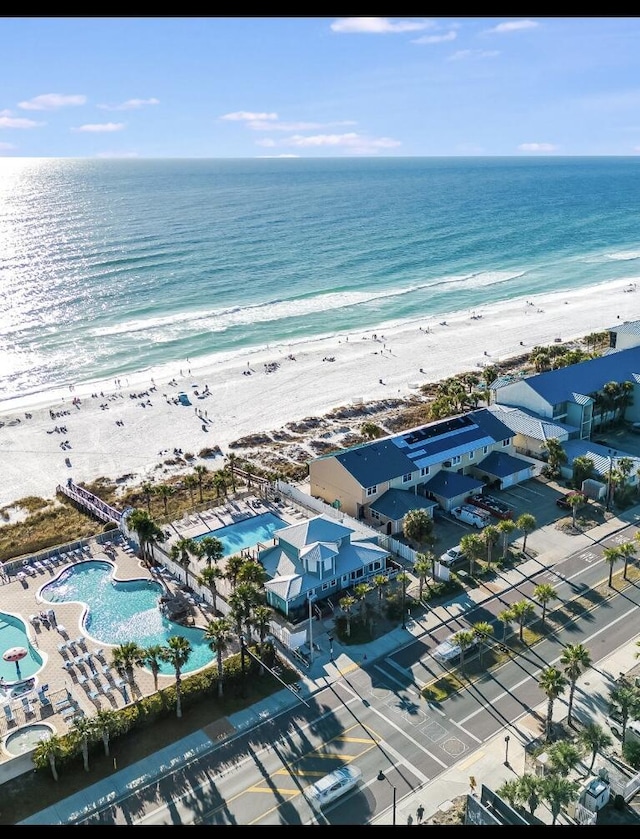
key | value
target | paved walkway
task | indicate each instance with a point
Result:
(486, 763)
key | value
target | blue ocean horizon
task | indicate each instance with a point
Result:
(112, 267)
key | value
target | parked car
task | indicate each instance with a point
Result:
(333, 785)
(450, 653)
(492, 505)
(471, 515)
(452, 556)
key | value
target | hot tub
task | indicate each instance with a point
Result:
(26, 738)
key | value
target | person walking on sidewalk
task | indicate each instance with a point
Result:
(420, 813)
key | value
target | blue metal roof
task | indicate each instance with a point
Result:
(318, 529)
(600, 455)
(396, 503)
(502, 464)
(451, 484)
(585, 377)
(522, 421)
(375, 463)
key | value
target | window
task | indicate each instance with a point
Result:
(375, 515)
(485, 450)
(424, 471)
(506, 442)
(471, 455)
(372, 490)
(406, 478)
(455, 459)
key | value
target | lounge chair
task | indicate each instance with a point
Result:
(34, 620)
(45, 701)
(62, 648)
(28, 707)
(31, 571)
(8, 712)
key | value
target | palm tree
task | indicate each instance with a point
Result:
(261, 621)
(49, 750)
(522, 610)
(625, 699)
(147, 531)
(84, 731)
(575, 660)
(507, 616)
(417, 526)
(360, 592)
(220, 483)
(151, 658)
(379, 581)
(242, 600)
(231, 462)
(564, 756)
(218, 634)
(403, 579)
(208, 578)
(147, 490)
(506, 528)
(107, 723)
(490, 536)
(558, 793)
(251, 571)
(611, 555)
(200, 471)
(544, 594)
(165, 491)
(575, 499)
(234, 564)
(125, 657)
(553, 683)
(211, 549)
(464, 638)
(191, 482)
(421, 567)
(529, 791)
(472, 546)
(556, 455)
(595, 739)
(527, 524)
(183, 551)
(177, 653)
(627, 550)
(482, 630)
(347, 603)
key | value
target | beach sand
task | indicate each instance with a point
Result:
(130, 425)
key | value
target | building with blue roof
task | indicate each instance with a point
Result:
(436, 464)
(317, 559)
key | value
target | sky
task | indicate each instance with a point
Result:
(242, 87)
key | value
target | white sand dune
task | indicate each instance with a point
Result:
(113, 434)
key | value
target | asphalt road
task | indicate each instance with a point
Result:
(375, 717)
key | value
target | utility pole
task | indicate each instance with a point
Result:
(311, 597)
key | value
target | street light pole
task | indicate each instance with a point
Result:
(506, 750)
(383, 777)
(310, 597)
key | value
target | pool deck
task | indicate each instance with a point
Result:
(21, 597)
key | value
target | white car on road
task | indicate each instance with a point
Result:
(333, 785)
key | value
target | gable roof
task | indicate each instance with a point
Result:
(567, 384)
(375, 463)
(318, 529)
(523, 421)
(451, 484)
(600, 455)
(396, 503)
(502, 464)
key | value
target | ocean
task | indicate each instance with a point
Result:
(113, 267)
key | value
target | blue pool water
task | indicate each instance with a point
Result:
(247, 533)
(13, 633)
(120, 612)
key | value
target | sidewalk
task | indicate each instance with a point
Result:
(486, 763)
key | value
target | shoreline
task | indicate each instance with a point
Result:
(122, 427)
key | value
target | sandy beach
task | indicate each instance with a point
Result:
(129, 425)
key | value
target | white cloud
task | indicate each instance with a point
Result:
(259, 125)
(436, 39)
(7, 121)
(51, 102)
(248, 116)
(534, 147)
(514, 26)
(378, 25)
(462, 55)
(130, 105)
(352, 142)
(101, 127)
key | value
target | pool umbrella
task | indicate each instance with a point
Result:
(15, 654)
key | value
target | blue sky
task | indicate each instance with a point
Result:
(318, 86)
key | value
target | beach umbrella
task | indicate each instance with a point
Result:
(15, 654)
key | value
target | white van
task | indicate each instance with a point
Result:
(333, 785)
(471, 515)
(631, 732)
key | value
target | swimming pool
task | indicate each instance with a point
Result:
(119, 612)
(246, 533)
(13, 633)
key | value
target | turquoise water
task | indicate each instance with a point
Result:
(139, 264)
(13, 633)
(247, 533)
(120, 612)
